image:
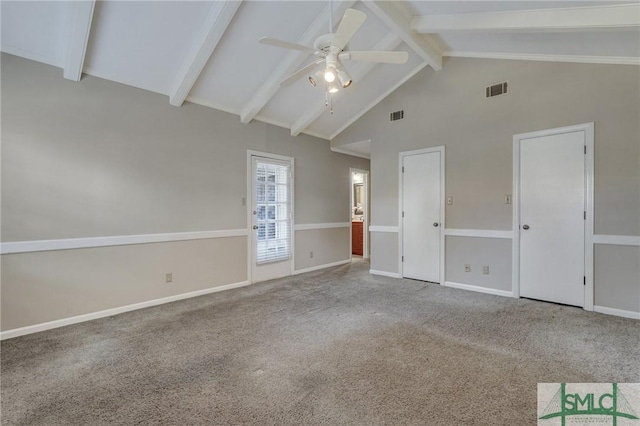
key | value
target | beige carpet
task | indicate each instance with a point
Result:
(332, 347)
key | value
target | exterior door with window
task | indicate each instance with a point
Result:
(271, 215)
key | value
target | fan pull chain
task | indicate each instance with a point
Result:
(330, 16)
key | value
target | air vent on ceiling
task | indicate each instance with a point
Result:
(396, 115)
(496, 90)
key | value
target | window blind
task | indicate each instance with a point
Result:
(273, 211)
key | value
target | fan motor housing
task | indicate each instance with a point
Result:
(323, 43)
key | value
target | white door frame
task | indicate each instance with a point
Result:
(249, 203)
(588, 129)
(401, 156)
(365, 224)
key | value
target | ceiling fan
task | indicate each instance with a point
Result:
(329, 48)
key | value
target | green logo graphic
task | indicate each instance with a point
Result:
(613, 404)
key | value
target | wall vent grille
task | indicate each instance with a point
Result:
(497, 90)
(396, 115)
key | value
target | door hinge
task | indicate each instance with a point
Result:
(585, 215)
(403, 258)
(585, 149)
(402, 169)
(402, 214)
(584, 282)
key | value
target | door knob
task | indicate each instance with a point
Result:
(255, 226)
(525, 227)
(435, 224)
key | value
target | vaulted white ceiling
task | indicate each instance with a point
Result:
(207, 52)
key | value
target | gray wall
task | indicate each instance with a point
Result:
(98, 158)
(384, 252)
(449, 108)
(45, 286)
(492, 252)
(327, 245)
(618, 269)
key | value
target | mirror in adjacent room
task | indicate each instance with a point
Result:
(358, 196)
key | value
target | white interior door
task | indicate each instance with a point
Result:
(421, 216)
(552, 218)
(271, 213)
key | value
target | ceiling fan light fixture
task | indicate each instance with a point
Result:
(345, 79)
(316, 77)
(333, 88)
(330, 74)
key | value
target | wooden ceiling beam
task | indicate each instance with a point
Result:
(398, 20)
(80, 28)
(542, 20)
(215, 25)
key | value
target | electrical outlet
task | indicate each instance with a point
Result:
(507, 199)
(310, 255)
(449, 200)
(168, 277)
(485, 270)
(467, 268)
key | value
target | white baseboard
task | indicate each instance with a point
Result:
(326, 265)
(385, 273)
(617, 312)
(487, 290)
(114, 311)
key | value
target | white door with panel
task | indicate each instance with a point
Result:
(552, 218)
(421, 216)
(271, 215)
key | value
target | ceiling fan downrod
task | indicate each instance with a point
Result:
(330, 16)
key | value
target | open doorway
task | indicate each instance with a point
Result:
(359, 211)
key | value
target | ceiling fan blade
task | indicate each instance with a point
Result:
(285, 44)
(300, 73)
(351, 22)
(386, 57)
